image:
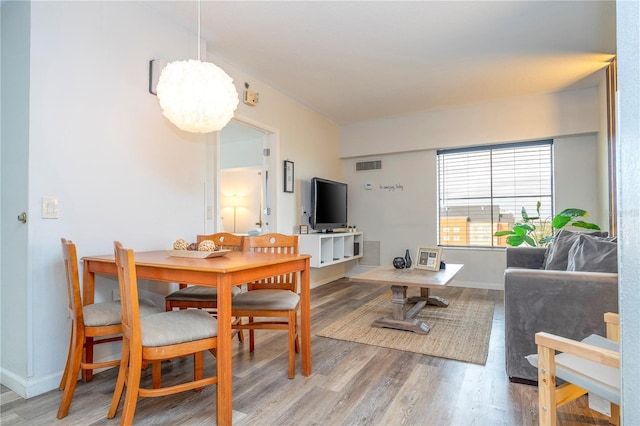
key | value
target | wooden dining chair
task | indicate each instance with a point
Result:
(90, 325)
(201, 297)
(275, 297)
(154, 338)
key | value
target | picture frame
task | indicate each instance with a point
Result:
(304, 229)
(428, 258)
(288, 176)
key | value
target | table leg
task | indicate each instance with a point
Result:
(305, 319)
(430, 300)
(224, 394)
(402, 319)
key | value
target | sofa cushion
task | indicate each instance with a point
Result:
(558, 250)
(593, 254)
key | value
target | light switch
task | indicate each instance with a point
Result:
(49, 208)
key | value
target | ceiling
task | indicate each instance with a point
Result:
(354, 61)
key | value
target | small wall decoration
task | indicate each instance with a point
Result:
(428, 258)
(288, 176)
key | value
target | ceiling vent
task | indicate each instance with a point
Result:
(368, 165)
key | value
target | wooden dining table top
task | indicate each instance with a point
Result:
(232, 261)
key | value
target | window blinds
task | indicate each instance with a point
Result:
(483, 189)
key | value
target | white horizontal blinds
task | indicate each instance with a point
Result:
(482, 190)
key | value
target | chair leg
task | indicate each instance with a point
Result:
(547, 414)
(71, 375)
(240, 332)
(122, 374)
(63, 380)
(292, 344)
(197, 367)
(615, 414)
(297, 335)
(87, 375)
(133, 386)
(156, 374)
(252, 339)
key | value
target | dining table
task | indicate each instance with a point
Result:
(233, 269)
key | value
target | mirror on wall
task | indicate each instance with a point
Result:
(244, 173)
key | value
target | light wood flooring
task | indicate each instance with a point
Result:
(351, 384)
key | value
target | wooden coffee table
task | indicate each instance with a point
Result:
(400, 280)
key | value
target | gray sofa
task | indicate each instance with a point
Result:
(566, 303)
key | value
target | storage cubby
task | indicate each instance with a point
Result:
(331, 248)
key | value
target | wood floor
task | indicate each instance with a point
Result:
(351, 384)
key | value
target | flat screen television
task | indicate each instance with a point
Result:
(328, 204)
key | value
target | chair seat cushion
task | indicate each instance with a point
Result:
(110, 313)
(266, 300)
(198, 293)
(597, 378)
(170, 328)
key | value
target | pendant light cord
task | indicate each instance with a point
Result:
(198, 30)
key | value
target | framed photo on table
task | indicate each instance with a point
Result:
(288, 176)
(428, 258)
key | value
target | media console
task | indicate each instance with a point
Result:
(331, 248)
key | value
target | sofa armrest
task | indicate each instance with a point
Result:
(526, 257)
(569, 304)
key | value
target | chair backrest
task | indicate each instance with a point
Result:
(224, 239)
(70, 258)
(274, 243)
(128, 283)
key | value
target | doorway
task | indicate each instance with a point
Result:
(244, 185)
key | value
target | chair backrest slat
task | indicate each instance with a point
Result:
(274, 243)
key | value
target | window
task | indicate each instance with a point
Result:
(483, 190)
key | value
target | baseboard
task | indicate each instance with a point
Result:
(477, 284)
(327, 279)
(33, 387)
(13, 382)
(30, 388)
(359, 269)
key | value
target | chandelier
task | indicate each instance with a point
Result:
(197, 96)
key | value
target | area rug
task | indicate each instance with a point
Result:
(460, 331)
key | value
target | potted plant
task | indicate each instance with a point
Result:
(538, 232)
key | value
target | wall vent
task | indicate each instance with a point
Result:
(368, 165)
(371, 253)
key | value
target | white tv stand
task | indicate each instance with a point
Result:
(331, 248)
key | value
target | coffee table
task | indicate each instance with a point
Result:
(400, 280)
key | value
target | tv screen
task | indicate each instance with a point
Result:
(328, 204)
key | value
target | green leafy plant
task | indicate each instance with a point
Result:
(536, 231)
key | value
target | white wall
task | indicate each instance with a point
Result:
(306, 138)
(512, 120)
(311, 141)
(406, 217)
(98, 142)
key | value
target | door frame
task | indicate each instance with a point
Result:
(213, 222)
